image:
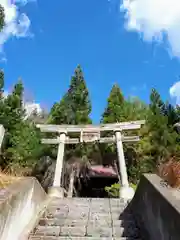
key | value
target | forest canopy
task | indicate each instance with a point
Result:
(22, 148)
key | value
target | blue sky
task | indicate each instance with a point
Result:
(52, 38)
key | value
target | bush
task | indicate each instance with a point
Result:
(113, 190)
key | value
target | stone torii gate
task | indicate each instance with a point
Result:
(74, 134)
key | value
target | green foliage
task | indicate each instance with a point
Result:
(113, 190)
(118, 109)
(172, 114)
(135, 109)
(59, 113)
(115, 106)
(2, 17)
(25, 146)
(161, 136)
(159, 139)
(75, 106)
(78, 99)
(21, 146)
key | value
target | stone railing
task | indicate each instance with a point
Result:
(156, 209)
(20, 204)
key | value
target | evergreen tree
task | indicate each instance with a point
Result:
(78, 99)
(2, 17)
(1, 93)
(135, 109)
(156, 103)
(114, 111)
(75, 106)
(25, 147)
(21, 145)
(172, 114)
(13, 108)
(178, 113)
(1, 84)
(60, 112)
(159, 139)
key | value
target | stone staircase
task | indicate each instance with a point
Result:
(86, 219)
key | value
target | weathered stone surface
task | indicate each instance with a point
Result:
(99, 231)
(156, 210)
(75, 222)
(19, 205)
(85, 219)
(106, 222)
(79, 231)
(52, 222)
(48, 231)
(81, 238)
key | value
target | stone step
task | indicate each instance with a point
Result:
(86, 202)
(86, 219)
(80, 238)
(75, 222)
(82, 213)
(90, 230)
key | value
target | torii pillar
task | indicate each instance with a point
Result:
(126, 192)
(56, 190)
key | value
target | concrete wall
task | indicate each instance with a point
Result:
(156, 209)
(19, 204)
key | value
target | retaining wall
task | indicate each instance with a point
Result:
(19, 204)
(156, 209)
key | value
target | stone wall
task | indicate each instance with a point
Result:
(19, 204)
(156, 209)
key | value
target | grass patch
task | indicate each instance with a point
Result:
(7, 179)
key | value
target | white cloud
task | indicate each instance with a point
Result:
(31, 108)
(155, 20)
(16, 24)
(175, 92)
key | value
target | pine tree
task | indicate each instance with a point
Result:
(1, 94)
(114, 111)
(172, 114)
(13, 107)
(161, 137)
(75, 106)
(60, 112)
(2, 17)
(1, 84)
(135, 109)
(178, 112)
(21, 145)
(78, 99)
(24, 147)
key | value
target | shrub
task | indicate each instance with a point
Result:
(113, 190)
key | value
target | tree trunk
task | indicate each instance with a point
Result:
(71, 185)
